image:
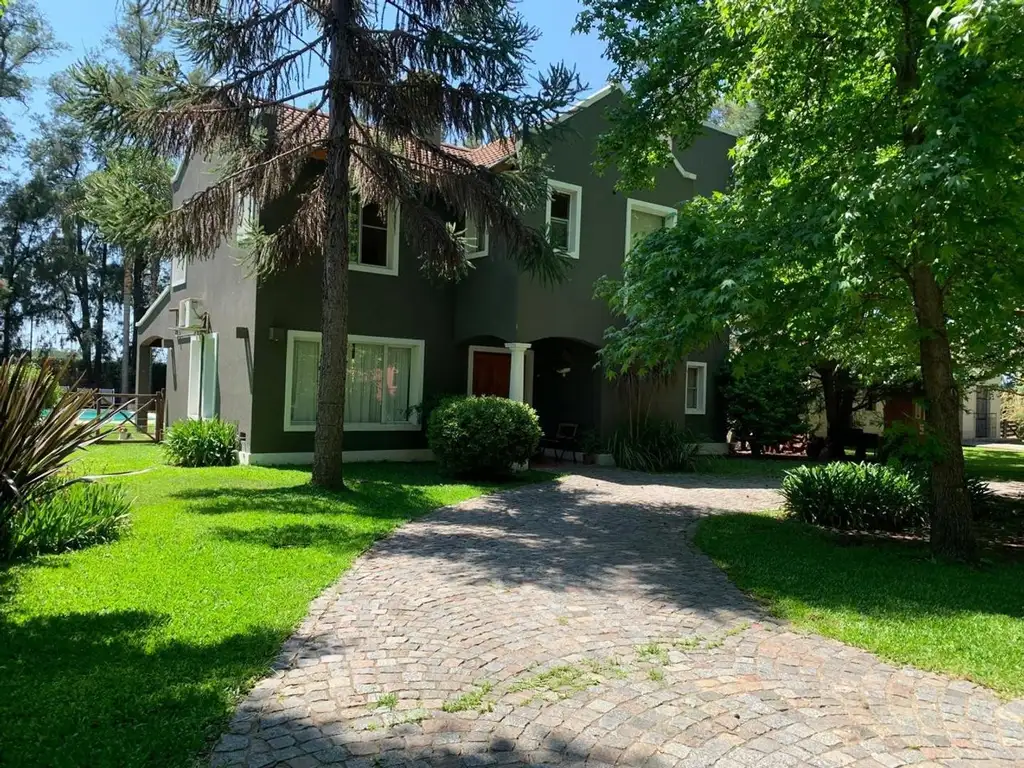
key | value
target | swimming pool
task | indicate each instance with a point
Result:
(91, 414)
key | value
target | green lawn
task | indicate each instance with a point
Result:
(986, 463)
(995, 464)
(891, 599)
(135, 653)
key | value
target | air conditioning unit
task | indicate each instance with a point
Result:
(190, 315)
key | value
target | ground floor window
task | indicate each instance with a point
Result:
(696, 387)
(383, 387)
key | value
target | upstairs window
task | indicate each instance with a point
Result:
(644, 218)
(563, 217)
(375, 242)
(475, 239)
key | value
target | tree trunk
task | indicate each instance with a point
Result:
(126, 321)
(101, 314)
(952, 533)
(330, 410)
(138, 310)
(839, 391)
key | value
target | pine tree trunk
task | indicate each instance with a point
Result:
(138, 310)
(330, 410)
(952, 533)
(101, 313)
(126, 321)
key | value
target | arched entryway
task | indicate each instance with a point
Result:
(566, 384)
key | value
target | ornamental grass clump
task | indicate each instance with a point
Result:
(202, 443)
(72, 517)
(858, 497)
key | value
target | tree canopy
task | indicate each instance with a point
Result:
(880, 189)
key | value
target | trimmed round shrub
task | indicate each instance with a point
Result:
(482, 436)
(202, 443)
(860, 497)
(69, 517)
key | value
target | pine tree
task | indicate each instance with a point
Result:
(397, 77)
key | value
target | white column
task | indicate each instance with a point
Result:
(517, 371)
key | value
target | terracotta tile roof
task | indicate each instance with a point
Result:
(485, 155)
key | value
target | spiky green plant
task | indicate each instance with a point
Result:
(36, 442)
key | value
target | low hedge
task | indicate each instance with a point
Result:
(482, 436)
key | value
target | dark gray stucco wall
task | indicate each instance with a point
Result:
(569, 309)
(229, 297)
(406, 306)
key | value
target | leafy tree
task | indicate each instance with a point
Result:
(25, 40)
(767, 401)
(126, 195)
(25, 208)
(72, 275)
(888, 163)
(397, 76)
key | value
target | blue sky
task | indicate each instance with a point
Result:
(83, 24)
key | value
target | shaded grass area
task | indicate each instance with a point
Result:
(135, 653)
(890, 598)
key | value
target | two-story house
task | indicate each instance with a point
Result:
(247, 349)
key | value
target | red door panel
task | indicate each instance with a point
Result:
(490, 373)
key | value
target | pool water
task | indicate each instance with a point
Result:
(91, 414)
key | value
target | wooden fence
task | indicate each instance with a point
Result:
(120, 416)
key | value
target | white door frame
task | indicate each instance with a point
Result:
(528, 375)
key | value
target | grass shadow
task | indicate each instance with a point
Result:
(339, 539)
(109, 689)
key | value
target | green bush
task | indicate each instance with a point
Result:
(482, 436)
(863, 497)
(69, 517)
(202, 443)
(767, 401)
(655, 446)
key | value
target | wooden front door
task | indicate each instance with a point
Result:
(491, 373)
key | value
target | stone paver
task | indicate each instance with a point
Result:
(588, 631)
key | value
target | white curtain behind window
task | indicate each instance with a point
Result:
(396, 380)
(363, 388)
(305, 375)
(643, 223)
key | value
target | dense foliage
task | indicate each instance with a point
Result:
(34, 447)
(859, 497)
(655, 445)
(202, 443)
(878, 213)
(483, 436)
(71, 517)
(766, 403)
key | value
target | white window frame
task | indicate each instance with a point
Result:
(393, 213)
(179, 270)
(702, 388)
(575, 193)
(484, 242)
(668, 212)
(415, 382)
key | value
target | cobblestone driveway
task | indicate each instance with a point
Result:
(574, 624)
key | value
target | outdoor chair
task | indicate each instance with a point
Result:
(564, 440)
